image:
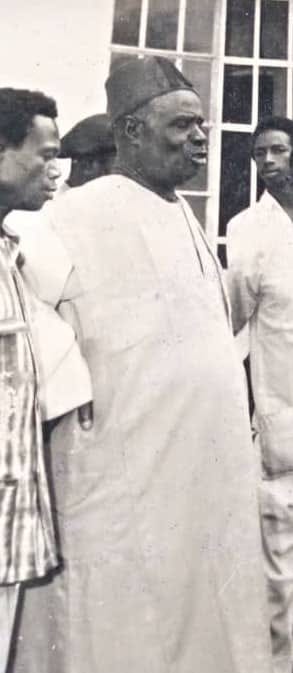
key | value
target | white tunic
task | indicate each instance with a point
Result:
(157, 505)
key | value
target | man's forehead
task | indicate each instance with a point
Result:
(271, 137)
(43, 130)
(177, 102)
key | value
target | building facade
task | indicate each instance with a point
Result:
(238, 53)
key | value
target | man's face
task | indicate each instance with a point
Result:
(272, 153)
(173, 144)
(28, 172)
(90, 167)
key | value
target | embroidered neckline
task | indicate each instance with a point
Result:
(136, 177)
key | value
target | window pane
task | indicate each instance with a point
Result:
(260, 187)
(126, 22)
(274, 29)
(272, 91)
(237, 94)
(199, 23)
(235, 176)
(222, 254)
(199, 73)
(162, 24)
(117, 59)
(198, 205)
(239, 30)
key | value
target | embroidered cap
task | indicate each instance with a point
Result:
(137, 81)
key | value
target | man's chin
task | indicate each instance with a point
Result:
(183, 179)
(274, 182)
(32, 206)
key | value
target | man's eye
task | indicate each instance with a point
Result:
(182, 124)
(50, 155)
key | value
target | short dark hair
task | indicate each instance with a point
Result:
(272, 124)
(18, 107)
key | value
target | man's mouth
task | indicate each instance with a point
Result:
(199, 157)
(270, 173)
(50, 191)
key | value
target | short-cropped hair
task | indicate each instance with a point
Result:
(18, 107)
(272, 124)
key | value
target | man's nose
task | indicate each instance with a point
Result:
(269, 157)
(198, 136)
(54, 171)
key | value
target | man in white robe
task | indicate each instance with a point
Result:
(260, 278)
(157, 503)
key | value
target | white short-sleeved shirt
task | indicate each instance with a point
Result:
(260, 281)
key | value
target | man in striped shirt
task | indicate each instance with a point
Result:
(29, 145)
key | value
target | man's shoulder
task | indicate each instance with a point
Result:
(102, 195)
(79, 207)
(253, 214)
(251, 223)
(87, 193)
(248, 234)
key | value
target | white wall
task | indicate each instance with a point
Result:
(60, 47)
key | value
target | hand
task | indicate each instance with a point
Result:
(85, 415)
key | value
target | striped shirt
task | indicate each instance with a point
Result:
(27, 541)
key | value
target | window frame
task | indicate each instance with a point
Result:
(179, 54)
(218, 60)
(255, 62)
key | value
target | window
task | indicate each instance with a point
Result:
(255, 68)
(239, 54)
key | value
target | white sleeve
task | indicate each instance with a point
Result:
(46, 262)
(243, 273)
(47, 265)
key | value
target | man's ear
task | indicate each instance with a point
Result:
(132, 128)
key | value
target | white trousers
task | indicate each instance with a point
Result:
(276, 505)
(8, 604)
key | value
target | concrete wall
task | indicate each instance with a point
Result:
(60, 47)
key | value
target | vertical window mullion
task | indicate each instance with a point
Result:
(143, 24)
(181, 31)
(290, 62)
(255, 67)
(215, 139)
(255, 90)
(289, 92)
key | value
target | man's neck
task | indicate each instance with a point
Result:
(135, 174)
(284, 196)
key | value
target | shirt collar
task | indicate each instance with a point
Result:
(271, 204)
(268, 200)
(9, 242)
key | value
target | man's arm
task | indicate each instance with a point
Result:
(242, 276)
(48, 272)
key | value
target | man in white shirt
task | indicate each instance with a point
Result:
(260, 279)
